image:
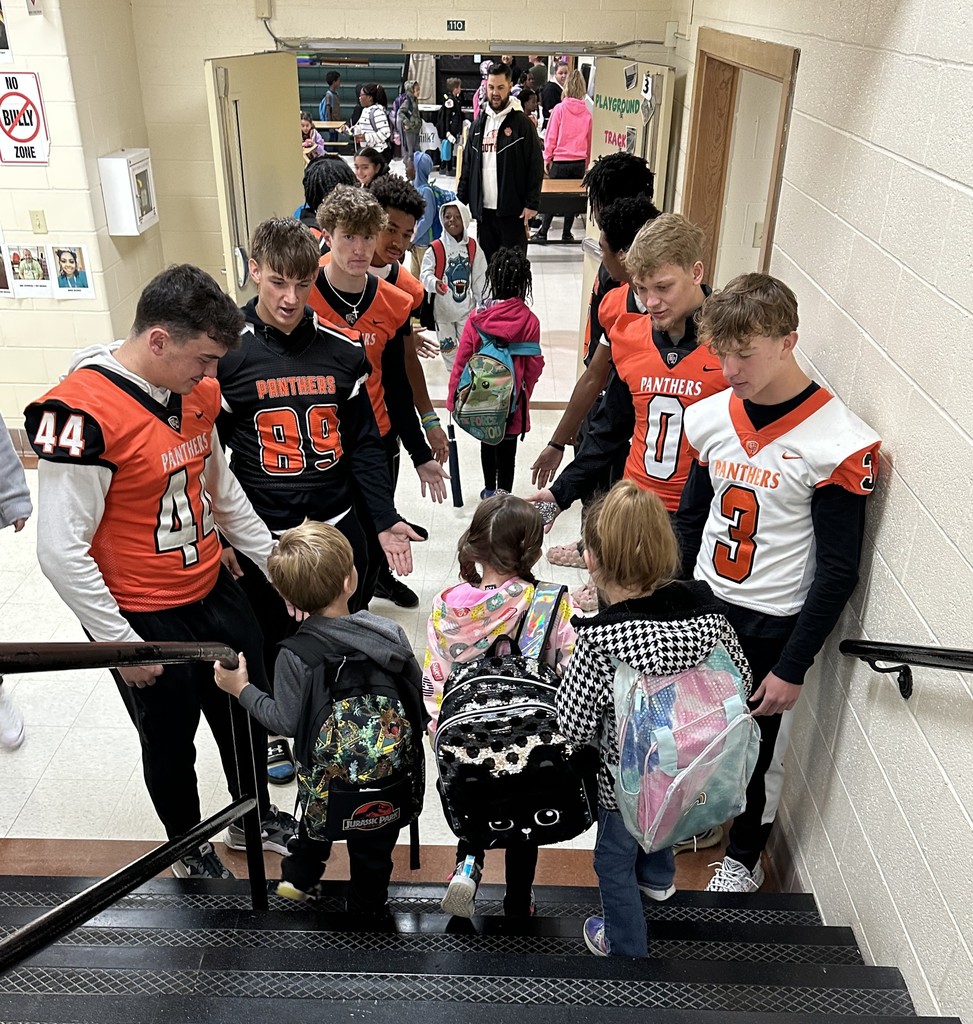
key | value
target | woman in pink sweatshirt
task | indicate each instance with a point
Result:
(509, 320)
(567, 147)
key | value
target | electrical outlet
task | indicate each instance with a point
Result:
(758, 234)
(38, 222)
(264, 8)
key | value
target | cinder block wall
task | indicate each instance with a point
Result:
(875, 234)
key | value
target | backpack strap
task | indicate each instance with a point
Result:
(439, 253)
(538, 624)
(471, 252)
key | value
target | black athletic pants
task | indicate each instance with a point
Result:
(378, 564)
(166, 714)
(749, 832)
(494, 232)
(369, 859)
(499, 462)
(520, 863)
(268, 606)
(562, 169)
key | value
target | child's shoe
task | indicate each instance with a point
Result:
(659, 895)
(517, 908)
(585, 598)
(566, 554)
(594, 936)
(289, 891)
(460, 898)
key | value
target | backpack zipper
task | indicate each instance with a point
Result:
(472, 715)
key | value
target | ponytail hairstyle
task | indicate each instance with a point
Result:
(506, 534)
(630, 538)
(508, 275)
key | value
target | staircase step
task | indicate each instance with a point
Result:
(669, 940)
(552, 901)
(452, 977)
(125, 1009)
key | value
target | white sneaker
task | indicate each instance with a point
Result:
(12, 730)
(732, 876)
(659, 895)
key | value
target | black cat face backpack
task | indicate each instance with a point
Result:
(506, 774)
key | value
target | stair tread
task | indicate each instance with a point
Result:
(179, 1009)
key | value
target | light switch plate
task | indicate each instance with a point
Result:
(38, 222)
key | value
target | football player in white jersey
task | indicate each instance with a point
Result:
(772, 517)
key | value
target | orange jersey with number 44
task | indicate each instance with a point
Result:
(156, 544)
(659, 458)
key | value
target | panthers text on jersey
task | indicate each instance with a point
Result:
(156, 544)
(659, 458)
(758, 542)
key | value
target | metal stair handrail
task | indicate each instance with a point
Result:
(904, 656)
(79, 909)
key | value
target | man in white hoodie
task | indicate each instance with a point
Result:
(454, 271)
(503, 168)
(133, 485)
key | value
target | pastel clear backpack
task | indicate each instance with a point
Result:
(687, 747)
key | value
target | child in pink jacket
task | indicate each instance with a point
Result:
(509, 318)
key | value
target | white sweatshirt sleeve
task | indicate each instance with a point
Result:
(234, 514)
(70, 505)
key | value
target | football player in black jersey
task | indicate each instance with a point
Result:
(297, 416)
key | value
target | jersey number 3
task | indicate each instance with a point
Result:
(733, 559)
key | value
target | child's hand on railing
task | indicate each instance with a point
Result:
(231, 681)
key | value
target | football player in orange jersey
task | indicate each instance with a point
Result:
(772, 518)
(660, 370)
(132, 488)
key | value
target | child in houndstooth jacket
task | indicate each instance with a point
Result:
(656, 626)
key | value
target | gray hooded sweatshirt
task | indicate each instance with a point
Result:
(382, 640)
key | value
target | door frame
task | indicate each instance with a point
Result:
(720, 57)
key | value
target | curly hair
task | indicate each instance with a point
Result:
(321, 176)
(509, 276)
(395, 193)
(614, 177)
(354, 209)
(621, 220)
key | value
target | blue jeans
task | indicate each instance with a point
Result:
(622, 866)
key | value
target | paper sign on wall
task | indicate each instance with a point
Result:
(24, 136)
(30, 270)
(6, 57)
(71, 273)
(35, 6)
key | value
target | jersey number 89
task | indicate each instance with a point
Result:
(282, 439)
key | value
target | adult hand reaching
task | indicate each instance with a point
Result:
(545, 466)
(396, 542)
(433, 476)
(774, 695)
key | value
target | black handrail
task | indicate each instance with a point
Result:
(905, 655)
(85, 905)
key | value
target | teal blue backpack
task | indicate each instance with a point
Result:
(487, 394)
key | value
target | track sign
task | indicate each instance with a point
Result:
(24, 137)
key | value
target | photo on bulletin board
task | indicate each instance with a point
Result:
(30, 272)
(5, 288)
(72, 279)
(6, 57)
(143, 189)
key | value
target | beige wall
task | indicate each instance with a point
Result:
(93, 103)
(875, 229)
(874, 234)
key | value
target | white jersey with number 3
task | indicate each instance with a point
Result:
(757, 549)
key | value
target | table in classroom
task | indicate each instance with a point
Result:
(561, 196)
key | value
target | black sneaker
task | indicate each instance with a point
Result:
(202, 864)
(277, 828)
(537, 238)
(391, 589)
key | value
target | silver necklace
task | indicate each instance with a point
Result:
(351, 316)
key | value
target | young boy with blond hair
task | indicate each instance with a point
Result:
(363, 666)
